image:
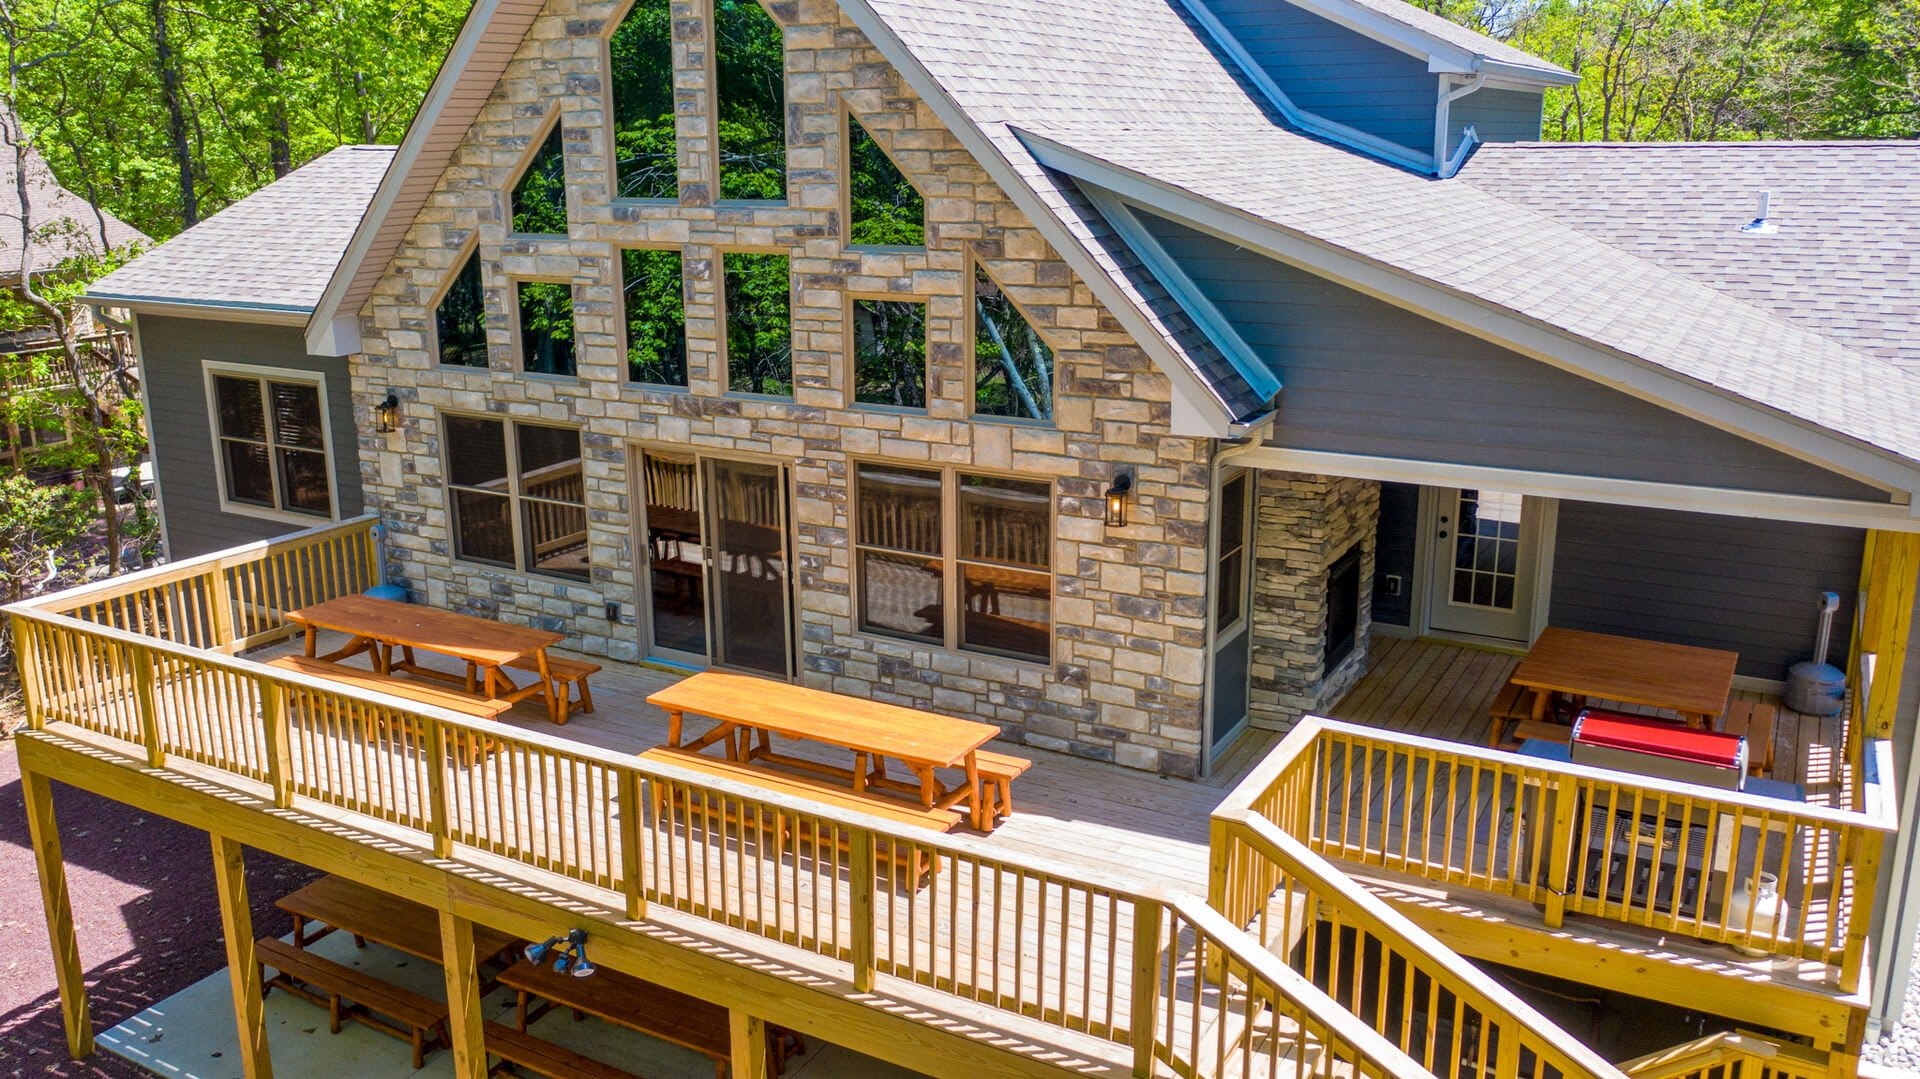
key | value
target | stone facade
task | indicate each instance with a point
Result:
(1127, 676)
(1302, 525)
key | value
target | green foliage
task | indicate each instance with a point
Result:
(92, 78)
(461, 318)
(890, 353)
(546, 328)
(1012, 367)
(759, 324)
(39, 524)
(656, 317)
(644, 146)
(540, 196)
(750, 62)
(886, 208)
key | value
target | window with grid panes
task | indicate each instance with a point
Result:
(272, 443)
(955, 559)
(518, 495)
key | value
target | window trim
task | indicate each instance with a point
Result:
(210, 371)
(950, 637)
(724, 366)
(627, 380)
(514, 495)
(519, 341)
(851, 361)
(971, 302)
(470, 251)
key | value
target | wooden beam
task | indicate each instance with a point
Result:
(465, 1023)
(68, 971)
(748, 1034)
(1895, 568)
(243, 969)
(917, 1031)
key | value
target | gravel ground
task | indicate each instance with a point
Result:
(1899, 1048)
(144, 909)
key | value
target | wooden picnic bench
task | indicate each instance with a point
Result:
(1755, 721)
(354, 994)
(544, 1057)
(563, 673)
(367, 914)
(997, 773)
(627, 1001)
(452, 699)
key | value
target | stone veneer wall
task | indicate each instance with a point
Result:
(1128, 671)
(1301, 525)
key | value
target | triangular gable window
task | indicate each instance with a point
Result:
(461, 318)
(885, 208)
(1012, 367)
(540, 198)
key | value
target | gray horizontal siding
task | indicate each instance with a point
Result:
(1334, 72)
(1496, 116)
(1362, 376)
(172, 353)
(1396, 545)
(1719, 582)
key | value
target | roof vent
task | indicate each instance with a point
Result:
(1762, 225)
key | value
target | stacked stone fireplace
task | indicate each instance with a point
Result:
(1312, 592)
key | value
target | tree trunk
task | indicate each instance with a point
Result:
(279, 138)
(168, 68)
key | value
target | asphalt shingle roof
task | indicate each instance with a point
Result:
(1130, 82)
(273, 250)
(1456, 35)
(64, 224)
(1845, 260)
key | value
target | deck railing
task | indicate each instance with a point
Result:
(142, 662)
(1570, 839)
(1731, 1056)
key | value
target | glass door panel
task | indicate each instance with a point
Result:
(1484, 558)
(749, 588)
(676, 570)
(1231, 641)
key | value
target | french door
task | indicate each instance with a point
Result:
(1486, 554)
(719, 581)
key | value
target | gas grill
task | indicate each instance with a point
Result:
(1659, 748)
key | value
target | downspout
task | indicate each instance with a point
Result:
(1445, 165)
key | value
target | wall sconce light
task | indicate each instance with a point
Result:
(569, 954)
(1117, 499)
(386, 414)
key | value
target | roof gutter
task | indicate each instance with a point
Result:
(1447, 165)
(264, 314)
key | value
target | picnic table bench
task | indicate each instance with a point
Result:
(452, 699)
(354, 994)
(337, 904)
(545, 1057)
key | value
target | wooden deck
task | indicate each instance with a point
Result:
(1443, 690)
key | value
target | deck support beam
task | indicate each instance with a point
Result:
(243, 969)
(748, 1035)
(44, 834)
(466, 1027)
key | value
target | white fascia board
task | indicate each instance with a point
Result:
(1723, 501)
(1164, 267)
(338, 336)
(1548, 344)
(256, 314)
(1197, 411)
(1313, 123)
(320, 334)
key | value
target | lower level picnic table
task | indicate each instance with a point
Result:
(336, 903)
(749, 709)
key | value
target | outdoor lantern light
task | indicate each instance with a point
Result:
(537, 953)
(577, 946)
(386, 414)
(1117, 499)
(569, 954)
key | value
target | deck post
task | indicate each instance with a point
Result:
(278, 738)
(632, 865)
(1143, 1000)
(220, 603)
(748, 1035)
(466, 1029)
(439, 821)
(860, 873)
(1892, 571)
(148, 707)
(1559, 846)
(44, 834)
(243, 969)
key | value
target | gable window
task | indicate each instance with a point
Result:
(983, 585)
(750, 64)
(646, 155)
(884, 209)
(1012, 367)
(518, 495)
(540, 197)
(890, 353)
(758, 303)
(656, 309)
(546, 327)
(460, 321)
(271, 444)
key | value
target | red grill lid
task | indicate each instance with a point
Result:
(1659, 738)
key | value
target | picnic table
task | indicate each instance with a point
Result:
(750, 710)
(337, 904)
(1689, 681)
(379, 626)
